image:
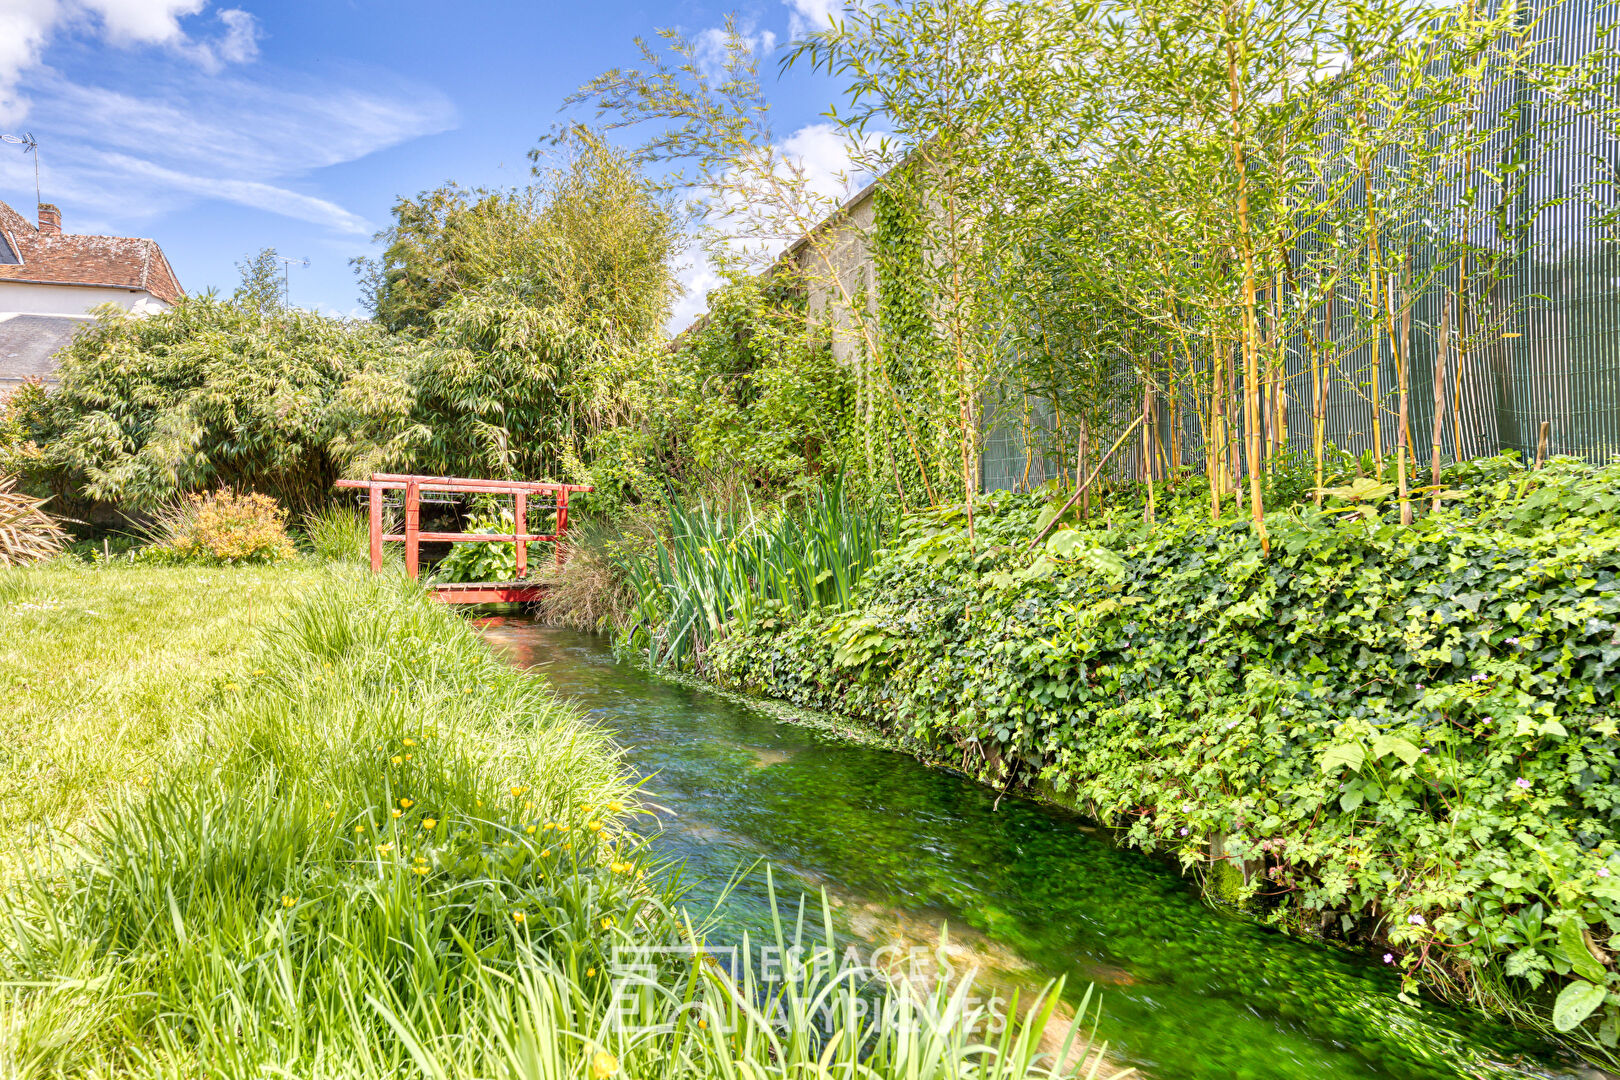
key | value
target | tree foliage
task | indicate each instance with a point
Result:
(208, 394)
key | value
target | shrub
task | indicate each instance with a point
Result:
(1408, 733)
(222, 527)
(214, 394)
(27, 533)
(486, 561)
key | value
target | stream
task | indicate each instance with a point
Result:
(1188, 992)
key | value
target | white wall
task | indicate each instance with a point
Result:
(22, 298)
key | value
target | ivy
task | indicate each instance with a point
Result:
(1406, 734)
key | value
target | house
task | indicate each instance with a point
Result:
(50, 281)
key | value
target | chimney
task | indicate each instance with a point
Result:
(50, 220)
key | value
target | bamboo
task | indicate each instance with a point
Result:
(1064, 509)
(1250, 330)
(1442, 349)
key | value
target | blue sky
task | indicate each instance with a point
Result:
(219, 128)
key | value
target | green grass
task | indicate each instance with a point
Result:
(370, 849)
(100, 668)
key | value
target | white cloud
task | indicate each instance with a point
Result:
(27, 27)
(807, 15)
(150, 143)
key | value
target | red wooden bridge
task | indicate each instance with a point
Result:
(524, 588)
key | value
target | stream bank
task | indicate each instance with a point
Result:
(1032, 890)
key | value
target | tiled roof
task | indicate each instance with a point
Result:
(29, 343)
(67, 259)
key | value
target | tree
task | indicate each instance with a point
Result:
(261, 288)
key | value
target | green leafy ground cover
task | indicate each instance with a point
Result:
(1404, 735)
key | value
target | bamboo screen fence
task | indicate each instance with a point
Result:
(1544, 329)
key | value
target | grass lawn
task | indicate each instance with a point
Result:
(99, 668)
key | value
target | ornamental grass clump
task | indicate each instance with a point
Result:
(27, 533)
(221, 528)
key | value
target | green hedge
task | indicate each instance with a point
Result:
(1407, 735)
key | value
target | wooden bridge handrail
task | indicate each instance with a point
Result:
(413, 486)
(462, 485)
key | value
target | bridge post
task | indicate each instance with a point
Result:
(520, 521)
(413, 527)
(376, 515)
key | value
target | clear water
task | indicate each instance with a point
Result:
(1188, 992)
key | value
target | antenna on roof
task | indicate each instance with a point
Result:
(30, 146)
(286, 283)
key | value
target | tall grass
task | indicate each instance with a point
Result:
(339, 534)
(381, 852)
(716, 565)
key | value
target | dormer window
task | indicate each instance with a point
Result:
(8, 254)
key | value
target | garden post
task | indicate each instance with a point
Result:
(520, 521)
(413, 526)
(375, 522)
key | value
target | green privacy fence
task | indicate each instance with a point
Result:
(1541, 344)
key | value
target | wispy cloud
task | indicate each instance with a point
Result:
(27, 27)
(143, 107)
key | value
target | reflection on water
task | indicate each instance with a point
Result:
(1188, 992)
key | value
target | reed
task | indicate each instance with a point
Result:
(715, 566)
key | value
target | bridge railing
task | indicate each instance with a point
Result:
(555, 496)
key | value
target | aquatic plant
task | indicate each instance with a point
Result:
(715, 567)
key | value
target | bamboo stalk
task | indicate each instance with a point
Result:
(1251, 376)
(1441, 352)
(1083, 487)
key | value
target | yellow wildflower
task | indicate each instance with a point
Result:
(607, 923)
(516, 791)
(603, 1065)
(519, 917)
(615, 807)
(528, 804)
(395, 813)
(359, 828)
(288, 901)
(410, 742)
(428, 823)
(584, 808)
(703, 1025)
(419, 870)
(594, 826)
(406, 803)
(529, 830)
(383, 849)
(407, 757)
(545, 853)
(396, 759)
